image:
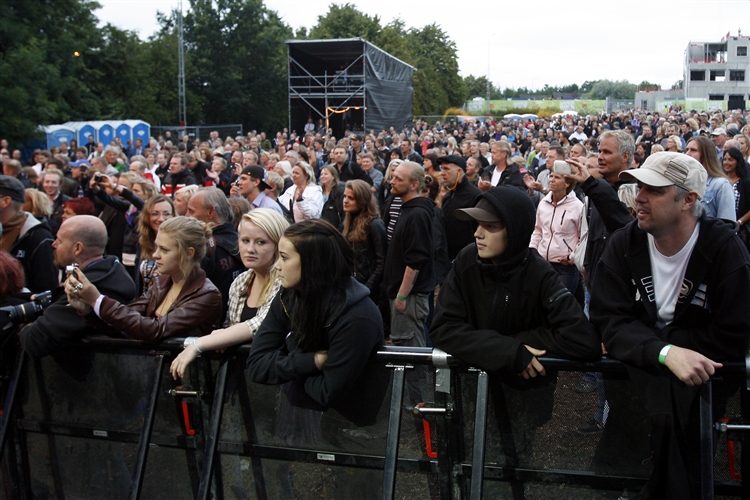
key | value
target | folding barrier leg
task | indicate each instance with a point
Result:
(212, 436)
(394, 428)
(252, 437)
(480, 435)
(11, 401)
(148, 425)
(707, 443)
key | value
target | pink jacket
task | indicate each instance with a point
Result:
(557, 228)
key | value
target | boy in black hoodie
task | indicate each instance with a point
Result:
(502, 308)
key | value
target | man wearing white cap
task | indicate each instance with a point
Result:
(672, 291)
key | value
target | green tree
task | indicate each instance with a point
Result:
(614, 89)
(40, 75)
(239, 62)
(437, 84)
(345, 21)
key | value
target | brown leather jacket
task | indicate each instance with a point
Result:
(195, 312)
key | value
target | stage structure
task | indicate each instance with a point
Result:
(349, 84)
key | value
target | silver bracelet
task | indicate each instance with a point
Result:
(195, 344)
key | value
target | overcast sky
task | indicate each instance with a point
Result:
(527, 43)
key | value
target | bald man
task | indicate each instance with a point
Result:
(80, 241)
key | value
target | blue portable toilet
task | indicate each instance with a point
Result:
(123, 131)
(141, 130)
(57, 132)
(106, 133)
(84, 131)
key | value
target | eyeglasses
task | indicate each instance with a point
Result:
(166, 215)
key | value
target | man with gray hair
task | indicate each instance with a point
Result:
(671, 296)
(222, 262)
(80, 241)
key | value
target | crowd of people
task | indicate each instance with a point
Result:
(500, 242)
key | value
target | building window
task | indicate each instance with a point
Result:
(715, 97)
(736, 75)
(741, 50)
(717, 75)
(697, 76)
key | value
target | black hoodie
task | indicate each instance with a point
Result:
(486, 312)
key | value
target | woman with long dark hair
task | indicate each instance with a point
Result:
(321, 328)
(718, 200)
(364, 230)
(333, 196)
(736, 168)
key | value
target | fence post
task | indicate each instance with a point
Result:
(480, 435)
(394, 428)
(212, 436)
(707, 442)
(148, 426)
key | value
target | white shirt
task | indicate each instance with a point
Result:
(668, 277)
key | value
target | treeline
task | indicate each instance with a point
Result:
(57, 64)
(596, 89)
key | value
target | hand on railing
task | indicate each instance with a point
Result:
(535, 367)
(693, 368)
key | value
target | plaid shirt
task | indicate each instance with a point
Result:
(237, 301)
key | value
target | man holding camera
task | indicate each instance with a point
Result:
(80, 242)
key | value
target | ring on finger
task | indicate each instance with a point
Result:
(79, 286)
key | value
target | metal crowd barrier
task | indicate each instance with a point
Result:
(107, 421)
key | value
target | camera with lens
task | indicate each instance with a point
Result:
(98, 177)
(26, 312)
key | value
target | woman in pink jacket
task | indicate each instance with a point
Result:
(557, 230)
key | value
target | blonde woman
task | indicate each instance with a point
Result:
(37, 204)
(304, 198)
(251, 293)
(182, 197)
(181, 303)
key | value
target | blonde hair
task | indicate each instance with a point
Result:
(130, 176)
(187, 233)
(148, 187)
(308, 170)
(677, 141)
(273, 224)
(40, 204)
(627, 193)
(187, 192)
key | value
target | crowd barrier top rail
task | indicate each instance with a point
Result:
(395, 355)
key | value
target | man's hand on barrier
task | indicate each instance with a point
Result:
(692, 367)
(535, 367)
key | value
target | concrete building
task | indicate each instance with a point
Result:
(718, 71)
